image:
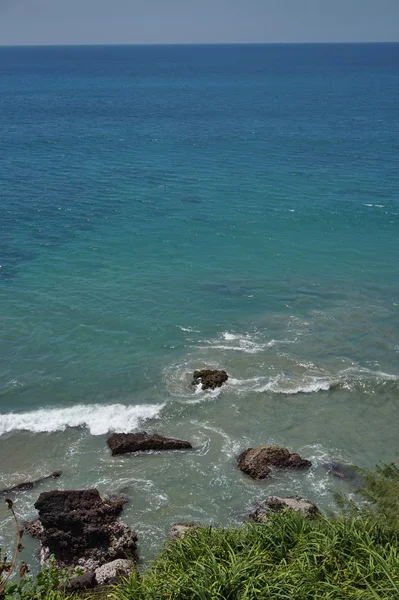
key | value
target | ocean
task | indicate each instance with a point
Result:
(168, 208)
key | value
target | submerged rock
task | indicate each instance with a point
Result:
(179, 530)
(28, 485)
(121, 443)
(277, 504)
(210, 378)
(258, 462)
(343, 471)
(81, 529)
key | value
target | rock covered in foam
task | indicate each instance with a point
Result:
(121, 443)
(276, 504)
(258, 462)
(210, 379)
(82, 530)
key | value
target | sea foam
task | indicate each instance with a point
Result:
(242, 343)
(307, 385)
(353, 379)
(99, 419)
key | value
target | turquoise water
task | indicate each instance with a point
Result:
(167, 208)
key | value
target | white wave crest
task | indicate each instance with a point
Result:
(243, 343)
(201, 395)
(230, 336)
(281, 384)
(307, 385)
(350, 379)
(98, 418)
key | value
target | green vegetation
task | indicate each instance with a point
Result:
(47, 585)
(381, 489)
(287, 557)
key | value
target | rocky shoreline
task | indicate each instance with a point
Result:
(80, 530)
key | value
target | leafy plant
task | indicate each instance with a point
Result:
(48, 584)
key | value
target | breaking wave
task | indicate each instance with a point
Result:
(353, 379)
(281, 384)
(274, 368)
(310, 380)
(242, 343)
(99, 419)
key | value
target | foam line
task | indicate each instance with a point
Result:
(98, 418)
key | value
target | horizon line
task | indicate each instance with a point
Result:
(115, 44)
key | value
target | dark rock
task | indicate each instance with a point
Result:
(34, 528)
(28, 485)
(276, 504)
(210, 378)
(81, 529)
(83, 582)
(258, 462)
(121, 443)
(179, 530)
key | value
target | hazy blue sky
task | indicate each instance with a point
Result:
(169, 21)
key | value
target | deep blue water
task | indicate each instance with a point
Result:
(168, 207)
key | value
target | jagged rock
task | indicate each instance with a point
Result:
(81, 529)
(179, 530)
(277, 504)
(210, 378)
(28, 485)
(110, 572)
(258, 462)
(34, 528)
(83, 582)
(121, 443)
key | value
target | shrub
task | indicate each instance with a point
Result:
(381, 489)
(48, 584)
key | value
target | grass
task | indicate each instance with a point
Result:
(288, 557)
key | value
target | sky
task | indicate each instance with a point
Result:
(26, 22)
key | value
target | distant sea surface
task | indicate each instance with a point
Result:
(167, 208)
